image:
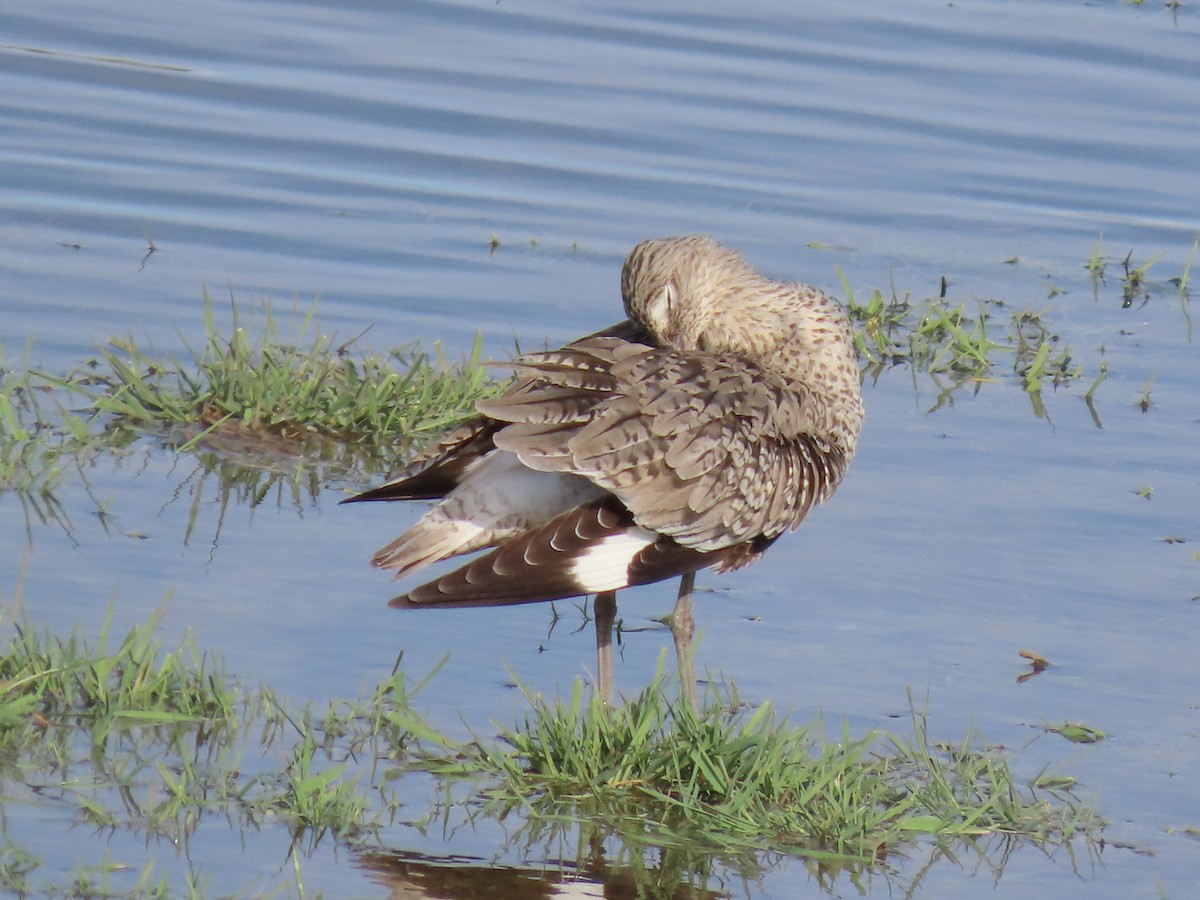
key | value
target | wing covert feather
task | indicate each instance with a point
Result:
(705, 448)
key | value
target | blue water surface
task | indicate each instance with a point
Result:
(434, 171)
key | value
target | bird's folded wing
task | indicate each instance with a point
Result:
(706, 448)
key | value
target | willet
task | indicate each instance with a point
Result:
(689, 436)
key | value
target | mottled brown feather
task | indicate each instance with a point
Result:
(666, 426)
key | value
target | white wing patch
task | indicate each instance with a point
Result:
(605, 565)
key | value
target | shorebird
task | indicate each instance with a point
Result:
(691, 435)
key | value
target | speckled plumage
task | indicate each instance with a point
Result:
(691, 435)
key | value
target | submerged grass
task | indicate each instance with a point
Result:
(36, 443)
(964, 344)
(155, 742)
(959, 345)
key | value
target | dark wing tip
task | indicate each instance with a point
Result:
(406, 601)
(439, 468)
(418, 487)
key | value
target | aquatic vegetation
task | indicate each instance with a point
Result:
(733, 778)
(36, 445)
(959, 345)
(1184, 278)
(1136, 286)
(1077, 732)
(1096, 266)
(296, 386)
(155, 742)
(279, 407)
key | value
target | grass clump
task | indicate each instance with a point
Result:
(731, 780)
(302, 385)
(66, 681)
(282, 408)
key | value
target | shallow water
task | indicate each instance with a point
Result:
(367, 153)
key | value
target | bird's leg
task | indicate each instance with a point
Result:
(604, 607)
(683, 628)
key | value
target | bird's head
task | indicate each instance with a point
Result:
(690, 293)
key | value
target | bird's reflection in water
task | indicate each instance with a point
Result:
(456, 877)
